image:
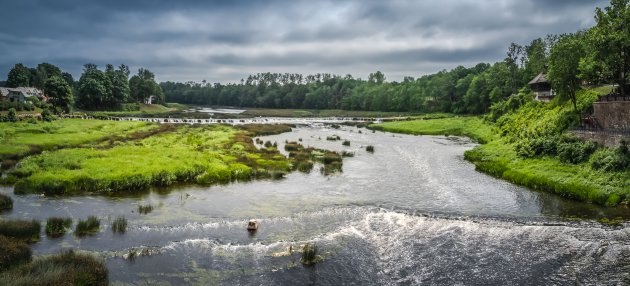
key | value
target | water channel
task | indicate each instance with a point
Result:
(413, 212)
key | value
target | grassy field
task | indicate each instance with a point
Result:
(499, 158)
(253, 112)
(146, 110)
(201, 154)
(22, 138)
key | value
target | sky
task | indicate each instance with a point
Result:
(224, 41)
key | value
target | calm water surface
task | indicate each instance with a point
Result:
(413, 212)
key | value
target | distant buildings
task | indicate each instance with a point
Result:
(21, 94)
(542, 89)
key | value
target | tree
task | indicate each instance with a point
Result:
(378, 77)
(18, 76)
(610, 40)
(12, 115)
(60, 93)
(143, 85)
(564, 62)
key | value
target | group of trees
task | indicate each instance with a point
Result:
(460, 90)
(95, 89)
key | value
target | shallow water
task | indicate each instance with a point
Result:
(413, 212)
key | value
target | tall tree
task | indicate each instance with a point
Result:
(610, 39)
(18, 76)
(59, 93)
(564, 62)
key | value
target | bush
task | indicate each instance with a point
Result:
(88, 227)
(12, 115)
(47, 115)
(346, 143)
(369, 148)
(333, 138)
(67, 268)
(56, 226)
(13, 253)
(119, 225)
(575, 152)
(20, 229)
(607, 159)
(6, 203)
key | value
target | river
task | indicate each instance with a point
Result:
(413, 212)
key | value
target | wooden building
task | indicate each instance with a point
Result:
(542, 88)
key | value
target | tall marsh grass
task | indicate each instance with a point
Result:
(20, 229)
(13, 253)
(6, 203)
(56, 226)
(90, 226)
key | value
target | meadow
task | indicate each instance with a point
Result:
(206, 154)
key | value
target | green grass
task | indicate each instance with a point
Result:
(145, 110)
(472, 127)
(56, 226)
(119, 225)
(68, 268)
(90, 226)
(20, 139)
(13, 253)
(6, 203)
(20, 229)
(203, 154)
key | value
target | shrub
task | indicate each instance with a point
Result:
(56, 226)
(20, 229)
(6, 203)
(12, 115)
(47, 115)
(119, 225)
(346, 143)
(292, 146)
(333, 138)
(13, 253)
(88, 227)
(67, 268)
(575, 152)
(369, 148)
(145, 209)
(607, 159)
(304, 167)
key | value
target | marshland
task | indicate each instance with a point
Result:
(402, 208)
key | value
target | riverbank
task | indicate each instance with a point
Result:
(498, 157)
(113, 163)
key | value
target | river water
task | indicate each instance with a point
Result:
(413, 212)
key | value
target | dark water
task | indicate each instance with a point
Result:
(413, 212)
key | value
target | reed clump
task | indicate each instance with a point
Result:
(90, 226)
(22, 230)
(369, 148)
(119, 225)
(67, 268)
(57, 226)
(333, 138)
(145, 209)
(6, 203)
(13, 253)
(345, 143)
(309, 254)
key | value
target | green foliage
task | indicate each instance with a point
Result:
(6, 203)
(12, 115)
(13, 253)
(20, 229)
(611, 160)
(59, 93)
(143, 85)
(47, 115)
(68, 268)
(98, 90)
(90, 226)
(18, 76)
(568, 149)
(119, 225)
(564, 62)
(56, 226)
(345, 143)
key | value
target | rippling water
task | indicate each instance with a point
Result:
(414, 212)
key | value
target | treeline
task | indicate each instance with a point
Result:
(598, 55)
(460, 90)
(96, 89)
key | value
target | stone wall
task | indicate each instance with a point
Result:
(612, 114)
(605, 138)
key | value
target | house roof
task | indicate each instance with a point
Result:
(540, 78)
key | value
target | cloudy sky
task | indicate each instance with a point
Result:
(225, 40)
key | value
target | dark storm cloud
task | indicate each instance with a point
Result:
(226, 40)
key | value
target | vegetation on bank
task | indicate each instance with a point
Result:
(21, 230)
(6, 203)
(57, 226)
(67, 268)
(206, 154)
(528, 146)
(20, 139)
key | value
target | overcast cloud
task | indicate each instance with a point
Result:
(224, 41)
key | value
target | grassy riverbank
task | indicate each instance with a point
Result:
(23, 138)
(200, 154)
(499, 155)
